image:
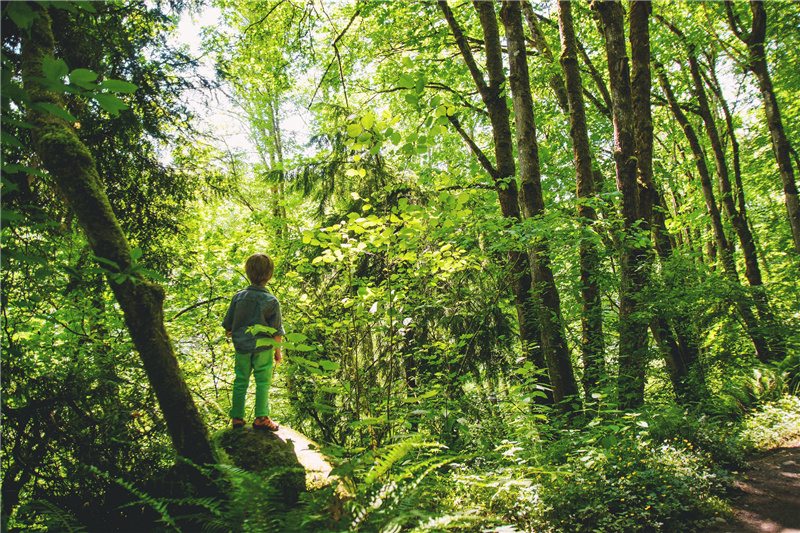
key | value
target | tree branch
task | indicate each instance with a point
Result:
(484, 161)
(198, 304)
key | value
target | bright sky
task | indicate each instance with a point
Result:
(214, 109)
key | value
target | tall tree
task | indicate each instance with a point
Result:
(723, 245)
(757, 64)
(592, 343)
(634, 264)
(736, 215)
(554, 340)
(74, 170)
(503, 172)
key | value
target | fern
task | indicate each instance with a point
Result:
(160, 505)
(388, 507)
(395, 453)
(55, 519)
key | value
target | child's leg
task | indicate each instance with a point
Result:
(242, 368)
(262, 372)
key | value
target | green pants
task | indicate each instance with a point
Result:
(260, 365)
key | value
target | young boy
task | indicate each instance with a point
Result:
(254, 306)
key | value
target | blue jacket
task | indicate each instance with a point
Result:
(251, 307)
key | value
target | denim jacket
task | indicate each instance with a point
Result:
(250, 307)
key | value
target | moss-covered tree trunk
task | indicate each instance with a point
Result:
(757, 64)
(554, 338)
(633, 269)
(69, 162)
(493, 96)
(592, 344)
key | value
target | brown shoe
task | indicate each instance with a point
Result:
(263, 422)
(237, 423)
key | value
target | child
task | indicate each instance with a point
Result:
(254, 306)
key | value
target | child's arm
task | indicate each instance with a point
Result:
(278, 356)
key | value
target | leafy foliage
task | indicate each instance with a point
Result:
(402, 352)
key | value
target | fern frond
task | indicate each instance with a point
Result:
(159, 505)
(56, 519)
(395, 453)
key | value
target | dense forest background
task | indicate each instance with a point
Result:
(538, 261)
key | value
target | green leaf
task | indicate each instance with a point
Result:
(327, 366)
(86, 5)
(9, 140)
(406, 81)
(110, 103)
(420, 84)
(5, 214)
(354, 130)
(82, 77)
(54, 69)
(55, 110)
(21, 14)
(119, 86)
(136, 254)
(296, 337)
(17, 123)
(368, 121)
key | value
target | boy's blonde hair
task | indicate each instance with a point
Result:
(259, 269)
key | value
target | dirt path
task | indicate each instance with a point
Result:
(766, 498)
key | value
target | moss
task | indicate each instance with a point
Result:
(263, 452)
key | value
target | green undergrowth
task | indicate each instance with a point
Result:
(662, 471)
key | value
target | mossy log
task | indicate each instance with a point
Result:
(289, 456)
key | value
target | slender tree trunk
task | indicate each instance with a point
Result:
(592, 344)
(680, 349)
(723, 247)
(737, 211)
(780, 143)
(503, 172)
(74, 170)
(554, 339)
(632, 323)
(555, 81)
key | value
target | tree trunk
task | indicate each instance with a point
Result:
(554, 339)
(633, 268)
(737, 208)
(494, 98)
(723, 248)
(74, 170)
(592, 343)
(556, 82)
(757, 64)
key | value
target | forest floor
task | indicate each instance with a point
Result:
(766, 496)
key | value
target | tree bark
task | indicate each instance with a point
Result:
(75, 172)
(633, 325)
(556, 82)
(503, 172)
(757, 64)
(738, 219)
(592, 343)
(554, 339)
(723, 247)
(737, 207)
